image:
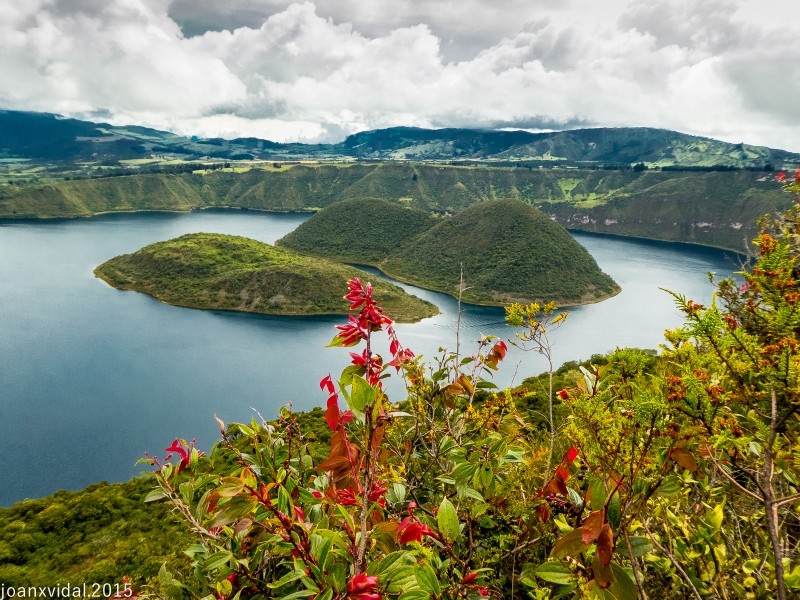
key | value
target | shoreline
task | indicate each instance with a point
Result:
(13, 219)
(105, 280)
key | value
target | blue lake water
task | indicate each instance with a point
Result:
(92, 377)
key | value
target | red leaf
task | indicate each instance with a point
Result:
(412, 532)
(571, 455)
(557, 485)
(605, 545)
(593, 526)
(683, 458)
(543, 512)
(563, 471)
(332, 414)
(327, 383)
(334, 463)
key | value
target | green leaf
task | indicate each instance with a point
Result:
(486, 385)
(397, 493)
(217, 560)
(362, 394)
(640, 546)
(187, 492)
(322, 552)
(326, 594)
(447, 518)
(555, 572)
(613, 513)
(715, 517)
(570, 544)
(597, 494)
(155, 495)
(574, 497)
(232, 510)
(623, 587)
(284, 501)
(427, 580)
(288, 578)
(300, 594)
(669, 487)
(471, 493)
(415, 595)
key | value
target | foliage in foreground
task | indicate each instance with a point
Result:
(673, 477)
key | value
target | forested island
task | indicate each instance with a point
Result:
(507, 250)
(225, 272)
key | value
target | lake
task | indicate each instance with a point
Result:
(92, 377)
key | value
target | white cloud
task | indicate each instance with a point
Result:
(706, 67)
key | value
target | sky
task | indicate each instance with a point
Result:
(319, 71)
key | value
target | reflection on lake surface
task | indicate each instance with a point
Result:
(92, 377)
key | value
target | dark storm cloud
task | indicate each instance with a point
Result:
(464, 27)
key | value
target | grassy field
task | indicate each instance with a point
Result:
(224, 272)
(510, 252)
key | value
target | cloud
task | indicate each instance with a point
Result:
(296, 72)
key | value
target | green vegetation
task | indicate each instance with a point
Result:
(712, 208)
(99, 535)
(510, 252)
(226, 272)
(361, 231)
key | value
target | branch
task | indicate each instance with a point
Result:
(787, 500)
(674, 562)
(734, 482)
(634, 565)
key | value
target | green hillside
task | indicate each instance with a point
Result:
(713, 208)
(510, 251)
(226, 272)
(99, 534)
(361, 231)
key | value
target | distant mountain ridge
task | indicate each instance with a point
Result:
(47, 137)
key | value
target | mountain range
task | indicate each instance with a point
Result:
(45, 137)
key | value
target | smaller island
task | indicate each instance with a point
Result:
(226, 272)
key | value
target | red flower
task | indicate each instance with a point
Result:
(362, 587)
(316, 494)
(347, 497)
(781, 177)
(184, 450)
(470, 578)
(483, 591)
(563, 394)
(412, 531)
